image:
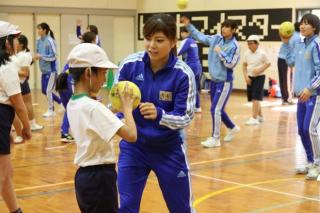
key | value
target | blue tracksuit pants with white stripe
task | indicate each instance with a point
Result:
(65, 97)
(220, 93)
(308, 117)
(172, 171)
(47, 87)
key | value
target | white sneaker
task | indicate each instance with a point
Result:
(260, 119)
(313, 172)
(35, 127)
(318, 179)
(18, 139)
(230, 135)
(303, 169)
(252, 122)
(198, 110)
(211, 142)
(49, 113)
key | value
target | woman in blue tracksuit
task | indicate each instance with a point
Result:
(47, 56)
(306, 59)
(167, 88)
(223, 56)
(190, 54)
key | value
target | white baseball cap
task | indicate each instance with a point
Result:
(8, 29)
(254, 38)
(89, 55)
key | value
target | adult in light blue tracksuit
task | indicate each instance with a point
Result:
(167, 88)
(306, 58)
(190, 54)
(46, 54)
(223, 56)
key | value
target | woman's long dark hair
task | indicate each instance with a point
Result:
(161, 23)
(45, 26)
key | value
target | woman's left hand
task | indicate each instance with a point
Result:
(305, 95)
(148, 110)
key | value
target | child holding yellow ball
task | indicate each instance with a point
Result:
(93, 126)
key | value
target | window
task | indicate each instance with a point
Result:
(301, 12)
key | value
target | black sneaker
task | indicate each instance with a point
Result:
(66, 138)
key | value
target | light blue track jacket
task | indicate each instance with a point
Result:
(306, 59)
(220, 65)
(46, 47)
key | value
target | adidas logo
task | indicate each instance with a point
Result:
(139, 77)
(181, 174)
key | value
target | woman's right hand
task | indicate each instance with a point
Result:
(184, 20)
(284, 39)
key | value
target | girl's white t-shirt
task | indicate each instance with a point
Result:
(24, 59)
(9, 80)
(93, 126)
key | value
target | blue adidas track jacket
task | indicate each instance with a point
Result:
(172, 90)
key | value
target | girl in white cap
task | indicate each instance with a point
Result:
(93, 127)
(10, 102)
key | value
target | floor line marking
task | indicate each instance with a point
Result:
(242, 156)
(250, 185)
(55, 147)
(44, 186)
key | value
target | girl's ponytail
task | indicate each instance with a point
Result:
(51, 33)
(62, 82)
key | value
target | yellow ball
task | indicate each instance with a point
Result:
(182, 4)
(286, 29)
(119, 88)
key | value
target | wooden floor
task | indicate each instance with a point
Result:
(253, 173)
